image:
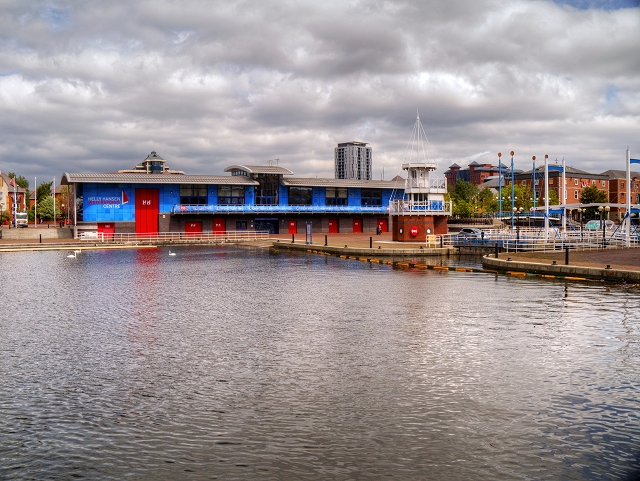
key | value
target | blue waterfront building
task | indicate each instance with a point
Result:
(152, 199)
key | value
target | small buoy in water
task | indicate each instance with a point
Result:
(172, 253)
(73, 255)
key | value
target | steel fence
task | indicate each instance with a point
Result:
(174, 237)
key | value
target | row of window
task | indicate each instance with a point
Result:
(585, 183)
(234, 195)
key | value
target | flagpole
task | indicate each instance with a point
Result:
(54, 202)
(628, 217)
(15, 202)
(35, 203)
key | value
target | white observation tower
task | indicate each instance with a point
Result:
(423, 210)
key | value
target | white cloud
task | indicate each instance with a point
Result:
(95, 86)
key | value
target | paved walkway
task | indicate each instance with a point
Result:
(618, 259)
(351, 240)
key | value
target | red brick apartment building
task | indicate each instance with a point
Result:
(618, 191)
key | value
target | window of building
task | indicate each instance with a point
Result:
(603, 183)
(267, 191)
(241, 225)
(336, 196)
(575, 181)
(593, 182)
(524, 182)
(230, 194)
(371, 197)
(622, 183)
(191, 194)
(300, 195)
(576, 194)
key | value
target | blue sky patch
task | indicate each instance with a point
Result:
(600, 4)
(56, 17)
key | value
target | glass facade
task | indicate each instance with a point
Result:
(267, 191)
(230, 194)
(191, 194)
(372, 197)
(300, 195)
(336, 196)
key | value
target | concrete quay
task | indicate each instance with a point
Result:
(612, 265)
(362, 245)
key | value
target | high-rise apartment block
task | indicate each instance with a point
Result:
(353, 161)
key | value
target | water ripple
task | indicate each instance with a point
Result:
(229, 363)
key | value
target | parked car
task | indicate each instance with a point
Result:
(470, 233)
(597, 225)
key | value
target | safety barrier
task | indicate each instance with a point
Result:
(175, 237)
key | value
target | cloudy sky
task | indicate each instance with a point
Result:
(94, 86)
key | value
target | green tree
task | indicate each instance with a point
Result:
(464, 197)
(45, 208)
(592, 195)
(43, 190)
(487, 201)
(63, 202)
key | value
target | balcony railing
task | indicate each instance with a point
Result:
(435, 184)
(407, 207)
(274, 209)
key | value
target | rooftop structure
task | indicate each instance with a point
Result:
(153, 164)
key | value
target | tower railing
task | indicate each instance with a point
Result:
(408, 207)
(432, 183)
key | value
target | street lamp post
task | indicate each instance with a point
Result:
(517, 211)
(500, 186)
(513, 186)
(602, 210)
(580, 211)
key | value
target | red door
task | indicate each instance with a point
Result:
(193, 228)
(333, 226)
(384, 225)
(357, 225)
(147, 211)
(106, 230)
(219, 225)
(293, 227)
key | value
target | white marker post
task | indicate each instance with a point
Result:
(627, 227)
(546, 198)
(564, 199)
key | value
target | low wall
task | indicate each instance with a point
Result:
(562, 271)
(31, 233)
(363, 251)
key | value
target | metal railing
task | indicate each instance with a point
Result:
(531, 240)
(438, 207)
(435, 183)
(274, 209)
(174, 237)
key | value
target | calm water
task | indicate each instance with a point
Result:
(227, 363)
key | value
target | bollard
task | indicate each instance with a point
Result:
(496, 250)
(566, 256)
(370, 242)
(40, 238)
(325, 240)
(293, 238)
(440, 242)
